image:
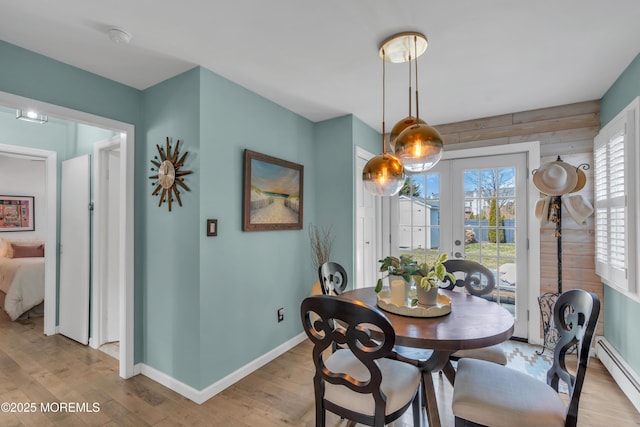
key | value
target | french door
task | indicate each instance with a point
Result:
(476, 209)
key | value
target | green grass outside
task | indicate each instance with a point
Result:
(473, 252)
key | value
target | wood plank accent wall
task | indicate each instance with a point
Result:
(568, 131)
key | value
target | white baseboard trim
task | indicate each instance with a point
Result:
(201, 396)
(626, 378)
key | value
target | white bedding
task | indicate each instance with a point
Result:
(22, 280)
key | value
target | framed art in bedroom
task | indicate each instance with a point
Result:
(272, 193)
(16, 213)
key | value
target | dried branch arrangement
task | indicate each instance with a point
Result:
(321, 240)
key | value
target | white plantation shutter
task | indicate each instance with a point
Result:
(614, 187)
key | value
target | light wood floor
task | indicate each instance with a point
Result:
(38, 369)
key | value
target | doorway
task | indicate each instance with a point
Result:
(106, 246)
(367, 225)
(474, 209)
(477, 204)
(125, 230)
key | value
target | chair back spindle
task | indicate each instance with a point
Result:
(575, 315)
(333, 278)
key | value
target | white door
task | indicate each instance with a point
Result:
(74, 249)
(366, 226)
(474, 208)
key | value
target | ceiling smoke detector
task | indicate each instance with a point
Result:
(118, 35)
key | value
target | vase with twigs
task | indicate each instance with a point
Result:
(321, 241)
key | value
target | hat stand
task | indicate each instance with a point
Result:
(547, 300)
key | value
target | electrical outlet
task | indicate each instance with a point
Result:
(280, 314)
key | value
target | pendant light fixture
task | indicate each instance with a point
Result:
(418, 145)
(383, 175)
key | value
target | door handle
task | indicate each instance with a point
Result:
(458, 255)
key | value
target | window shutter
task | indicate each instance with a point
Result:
(614, 158)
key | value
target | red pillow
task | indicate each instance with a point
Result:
(26, 251)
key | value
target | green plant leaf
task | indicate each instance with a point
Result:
(379, 286)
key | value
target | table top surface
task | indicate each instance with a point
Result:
(473, 323)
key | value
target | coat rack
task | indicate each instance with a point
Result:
(545, 183)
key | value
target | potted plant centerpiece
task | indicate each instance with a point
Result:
(399, 271)
(403, 267)
(427, 278)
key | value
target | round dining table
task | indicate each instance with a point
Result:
(472, 323)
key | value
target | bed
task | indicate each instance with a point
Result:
(21, 277)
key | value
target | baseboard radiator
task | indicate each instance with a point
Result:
(626, 378)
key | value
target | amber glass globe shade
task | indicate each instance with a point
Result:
(383, 175)
(419, 148)
(400, 126)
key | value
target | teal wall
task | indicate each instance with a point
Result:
(170, 240)
(206, 306)
(334, 151)
(622, 314)
(246, 276)
(621, 93)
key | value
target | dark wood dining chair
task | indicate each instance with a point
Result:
(333, 278)
(360, 382)
(487, 394)
(477, 280)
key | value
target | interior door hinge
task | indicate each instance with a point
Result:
(90, 207)
(527, 315)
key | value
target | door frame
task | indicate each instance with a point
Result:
(98, 301)
(50, 206)
(126, 366)
(378, 247)
(532, 151)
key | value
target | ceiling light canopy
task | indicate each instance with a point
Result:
(402, 47)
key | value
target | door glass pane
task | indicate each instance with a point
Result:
(419, 217)
(489, 201)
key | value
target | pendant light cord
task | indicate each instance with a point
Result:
(410, 89)
(384, 147)
(415, 46)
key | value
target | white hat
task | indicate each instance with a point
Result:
(542, 209)
(582, 180)
(556, 178)
(578, 207)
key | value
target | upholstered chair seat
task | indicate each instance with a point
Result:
(399, 383)
(494, 354)
(491, 394)
(486, 394)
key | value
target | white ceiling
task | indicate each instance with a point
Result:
(320, 58)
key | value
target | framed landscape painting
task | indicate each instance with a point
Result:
(272, 193)
(16, 213)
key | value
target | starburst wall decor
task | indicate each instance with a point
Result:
(169, 176)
